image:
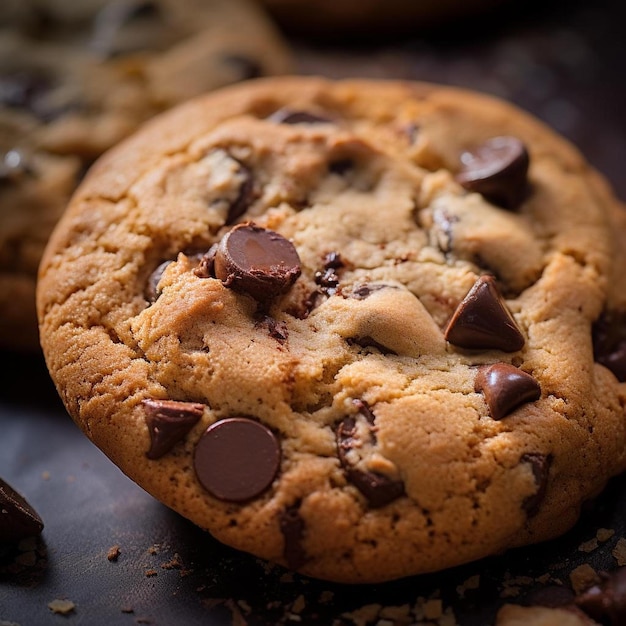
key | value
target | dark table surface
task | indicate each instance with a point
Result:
(564, 62)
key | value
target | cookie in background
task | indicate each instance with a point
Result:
(76, 78)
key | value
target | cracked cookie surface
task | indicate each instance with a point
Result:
(283, 311)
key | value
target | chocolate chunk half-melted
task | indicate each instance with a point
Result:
(292, 528)
(540, 465)
(18, 519)
(483, 322)
(505, 388)
(497, 169)
(169, 421)
(288, 116)
(258, 262)
(377, 488)
(606, 601)
(609, 342)
(237, 459)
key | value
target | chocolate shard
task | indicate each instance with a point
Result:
(258, 262)
(606, 601)
(483, 322)
(497, 169)
(152, 292)
(540, 465)
(377, 488)
(609, 342)
(292, 528)
(237, 459)
(18, 519)
(169, 421)
(505, 388)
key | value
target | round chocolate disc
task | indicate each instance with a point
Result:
(256, 261)
(237, 459)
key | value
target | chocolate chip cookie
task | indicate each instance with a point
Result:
(344, 326)
(75, 78)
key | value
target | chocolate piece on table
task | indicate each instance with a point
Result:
(606, 602)
(237, 458)
(18, 519)
(169, 421)
(505, 388)
(256, 261)
(540, 464)
(497, 169)
(482, 320)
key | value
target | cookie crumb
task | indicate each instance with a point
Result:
(62, 607)
(583, 577)
(588, 546)
(619, 551)
(113, 553)
(127, 609)
(473, 582)
(45, 475)
(173, 563)
(150, 573)
(604, 534)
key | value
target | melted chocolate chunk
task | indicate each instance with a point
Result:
(112, 19)
(237, 459)
(169, 421)
(377, 488)
(18, 519)
(609, 343)
(482, 321)
(285, 116)
(151, 291)
(245, 67)
(327, 279)
(606, 602)
(277, 330)
(497, 169)
(540, 464)
(25, 89)
(505, 388)
(258, 262)
(292, 528)
(245, 197)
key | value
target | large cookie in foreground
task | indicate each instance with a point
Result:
(78, 76)
(344, 326)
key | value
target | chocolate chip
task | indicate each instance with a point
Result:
(369, 342)
(606, 602)
(237, 459)
(540, 464)
(18, 519)
(379, 489)
(169, 421)
(609, 342)
(292, 529)
(206, 266)
(497, 169)
(285, 116)
(151, 291)
(277, 330)
(340, 166)
(258, 262)
(505, 387)
(482, 320)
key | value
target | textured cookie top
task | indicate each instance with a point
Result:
(344, 326)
